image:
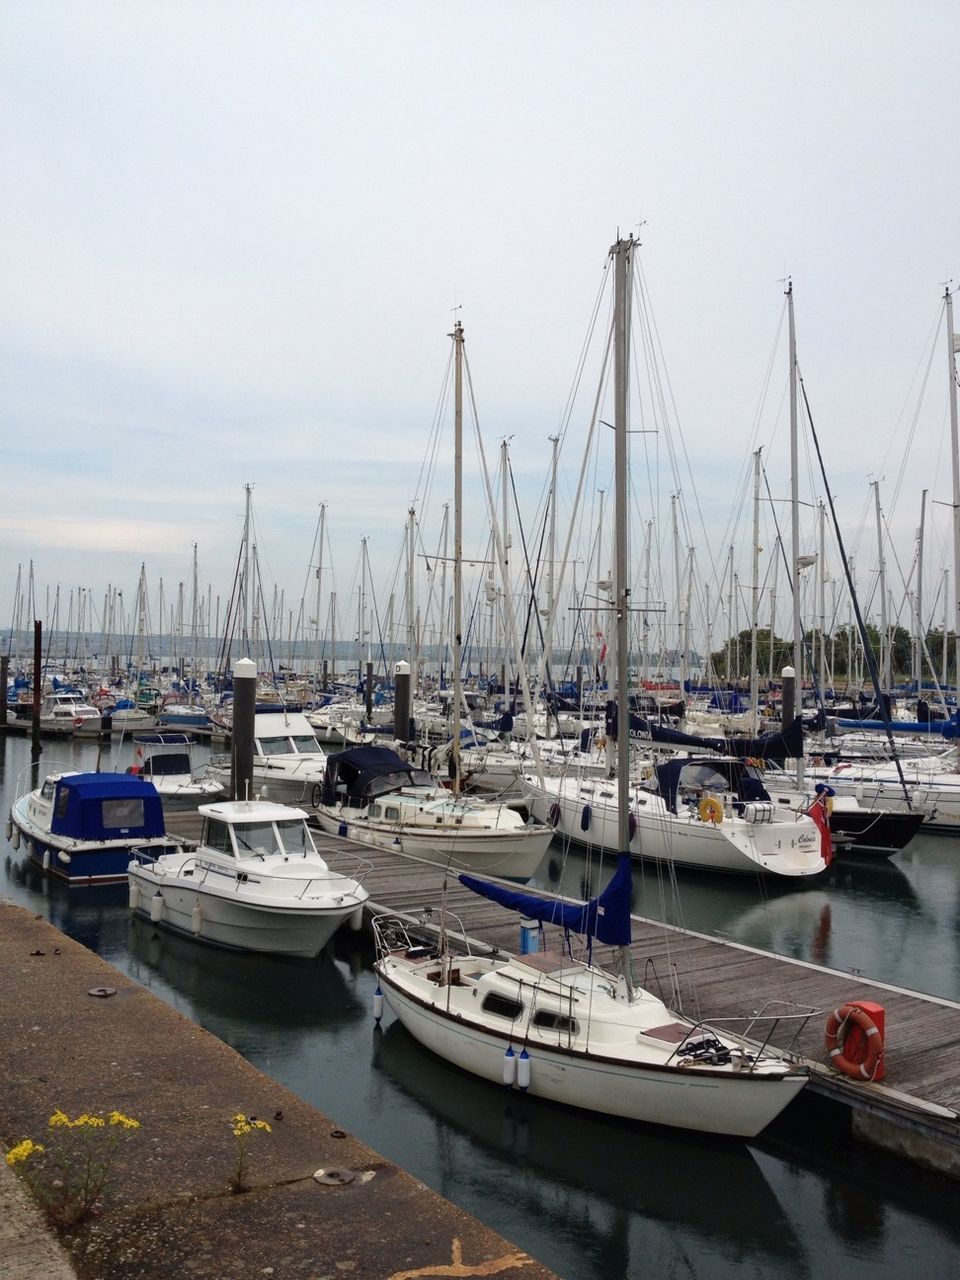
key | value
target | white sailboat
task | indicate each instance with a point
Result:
(560, 1027)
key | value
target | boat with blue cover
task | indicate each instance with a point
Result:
(84, 827)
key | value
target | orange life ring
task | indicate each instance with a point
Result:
(78, 722)
(833, 1042)
(710, 810)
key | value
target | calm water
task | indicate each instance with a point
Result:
(594, 1200)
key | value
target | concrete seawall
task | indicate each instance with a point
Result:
(167, 1210)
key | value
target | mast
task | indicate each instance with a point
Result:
(755, 594)
(457, 336)
(622, 254)
(955, 452)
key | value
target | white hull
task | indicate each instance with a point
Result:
(782, 848)
(737, 1103)
(239, 925)
(510, 855)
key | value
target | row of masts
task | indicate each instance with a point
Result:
(314, 629)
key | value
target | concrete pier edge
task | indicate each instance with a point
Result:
(167, 1209)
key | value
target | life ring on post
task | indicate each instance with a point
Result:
(316, 795)
(710, 810)
(836, 1033)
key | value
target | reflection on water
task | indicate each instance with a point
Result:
(585, 1176)
(893, 919)
(594, 1199)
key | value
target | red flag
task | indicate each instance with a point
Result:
(818, 812)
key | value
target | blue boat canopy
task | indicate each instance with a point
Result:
(605, 917)
(106, 806)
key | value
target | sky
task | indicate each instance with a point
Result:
(235, 237)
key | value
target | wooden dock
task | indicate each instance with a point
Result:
(914, 1111)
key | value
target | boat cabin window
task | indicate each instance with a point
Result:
(295, 836)
(305, 744)
(703, 776)
(46, 791)
(217, 836)
(550, 1021)
(501, 1005)
(391, 813)
(255, 838)
(124, 812)
(273, 746)
(63, 801)
(386, 783)
(164, 766)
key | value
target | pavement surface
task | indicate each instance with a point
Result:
(77, 1035)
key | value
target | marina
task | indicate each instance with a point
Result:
(799, 1197)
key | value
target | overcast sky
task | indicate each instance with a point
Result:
(234, 236)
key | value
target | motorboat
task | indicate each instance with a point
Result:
(568, 1030)
(702, 813)
(288, 761)
(165, 759)
(256, 882)
(83, 827)
(66, 712)
(373, 795)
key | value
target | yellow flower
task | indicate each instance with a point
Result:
(88, 1122)
(261, 1124)
(22, 1151)
(128, 1122)
(59, 1120)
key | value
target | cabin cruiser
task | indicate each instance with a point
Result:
(82, 827)
(255, 883)
(288, 761)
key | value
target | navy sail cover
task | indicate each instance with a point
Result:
(605, 917)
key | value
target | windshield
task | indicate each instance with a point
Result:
(255, 838)
(274, 746)
(306, 743)
(295, 836)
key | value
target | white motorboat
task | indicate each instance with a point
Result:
(371, 794)
(165, 759)
(66, 712)
(566, 1030)
(288, 761)
(255, 883)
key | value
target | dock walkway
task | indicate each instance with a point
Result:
(913, 1112)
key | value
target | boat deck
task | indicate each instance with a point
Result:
(915, 1110)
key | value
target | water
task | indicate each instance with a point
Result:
(593, 1199)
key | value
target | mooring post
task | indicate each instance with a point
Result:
(241, 736)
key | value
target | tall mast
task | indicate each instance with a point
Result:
(457, 336)
(795, 504)
(319, 635)
(755, 594)
(622, 254)
(955, 450)
(920, 639)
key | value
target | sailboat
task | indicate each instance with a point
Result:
(557, 1025)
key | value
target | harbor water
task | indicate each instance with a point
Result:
(593, 1199)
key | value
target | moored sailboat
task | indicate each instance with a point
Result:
(555, 1024)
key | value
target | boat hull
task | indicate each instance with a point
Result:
(233, 923)
(776, 849)
(735, 1105)
(513, 855)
